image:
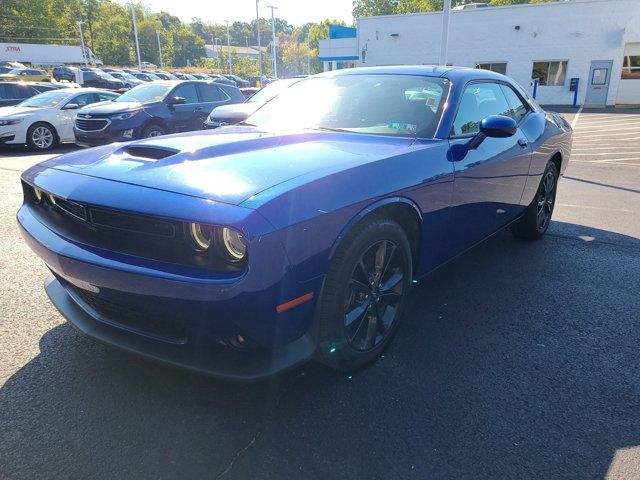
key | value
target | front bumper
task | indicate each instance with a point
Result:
(221, 362)
(172, 314)
(103, 137)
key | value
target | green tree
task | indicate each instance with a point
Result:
(372, 8)
(111, 29)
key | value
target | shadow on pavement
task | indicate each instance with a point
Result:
(517, 360)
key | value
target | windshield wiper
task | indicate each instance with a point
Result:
(246, 124)
(328, 129)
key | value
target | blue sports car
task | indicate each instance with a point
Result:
(296, 234)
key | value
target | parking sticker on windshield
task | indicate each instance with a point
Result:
(407, 127)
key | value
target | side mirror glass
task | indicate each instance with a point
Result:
(71, 106)
(496, 126)
(176, 100)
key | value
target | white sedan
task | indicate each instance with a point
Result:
(45, 120)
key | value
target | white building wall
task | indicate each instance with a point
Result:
(338, 47)
(578, 31)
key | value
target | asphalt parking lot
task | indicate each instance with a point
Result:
(518, 360)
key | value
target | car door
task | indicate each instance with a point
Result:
(489, 180)
(184, 115)
(211, 96)
(66, 116)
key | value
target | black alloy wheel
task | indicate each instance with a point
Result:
(373, 297)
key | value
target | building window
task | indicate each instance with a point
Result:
(631, 67)
(498, 67)
(550, 73)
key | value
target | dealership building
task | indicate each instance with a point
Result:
(550, 48)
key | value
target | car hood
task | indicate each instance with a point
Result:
(108, 107)
(229, 164)
(16, 110)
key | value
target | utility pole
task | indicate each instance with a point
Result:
(84, 51)
(444, 43)
(159, 49)
(258, 31)
(135, 34)
(308, 58)
(228, 46)
(273, 41)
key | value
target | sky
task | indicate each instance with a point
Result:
(296, 12)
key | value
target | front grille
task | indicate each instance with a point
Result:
(140, 237)
(91, 125)
(134, 318)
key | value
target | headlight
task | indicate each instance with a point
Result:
(123, 116)
(234, 244)
(230, 241)
(10, 122)
(201, 235)
(37, 194)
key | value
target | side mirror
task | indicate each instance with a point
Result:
(230, 114)
(71, 106)
(176, 100)
(496, 126)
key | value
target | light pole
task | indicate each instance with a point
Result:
(273, 41)
(258, 32)
(135, 34)
(444, 43)
(228, 46)
(84, 51)
(159, 49)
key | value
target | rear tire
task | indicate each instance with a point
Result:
(41, 137)
(537, 217)
(364, 295)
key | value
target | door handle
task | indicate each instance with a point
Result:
(198, 109)
(522, 142)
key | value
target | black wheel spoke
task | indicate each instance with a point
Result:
(357, 313)
(375, 292)
(360, 287)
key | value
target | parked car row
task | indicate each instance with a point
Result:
(91, 116)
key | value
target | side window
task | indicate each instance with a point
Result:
(7, 91)
(518, 109)
(84, 99)
(211, 93)
(479, 100)
(188, 91)
(105, 96)
(25, 72)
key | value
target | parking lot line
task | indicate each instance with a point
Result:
(635, 128)
(575, 119)
(605, 153)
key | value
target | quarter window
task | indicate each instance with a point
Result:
(210, 93)
(188, 91)
(479, 100)
(498, 67)
(518, 109)
(631, 67)
(549, 73)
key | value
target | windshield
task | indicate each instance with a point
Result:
(16, 71)
(372, 104)
(145, 93)
(46, 100)
(153, 76)
(267, 93)
(106, 75)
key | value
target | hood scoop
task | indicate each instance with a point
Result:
(148, 152)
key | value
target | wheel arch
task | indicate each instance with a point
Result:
(155, 121)
(400, 209)
(43, 122)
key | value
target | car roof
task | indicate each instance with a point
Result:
(449, 72)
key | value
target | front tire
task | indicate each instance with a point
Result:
(153, 130)
(364, 295)
(41, 137)
(537, 217)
